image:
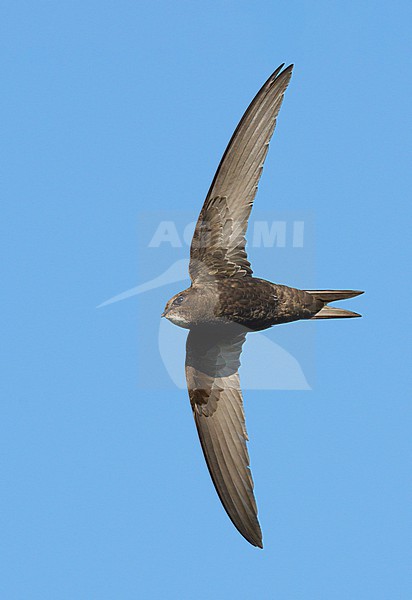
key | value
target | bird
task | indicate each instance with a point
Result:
(225, 302)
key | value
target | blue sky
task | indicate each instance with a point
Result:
(116, 110)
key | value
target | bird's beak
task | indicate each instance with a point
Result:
(163, 314)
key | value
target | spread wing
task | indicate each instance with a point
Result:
(218, 245)
(212, 362)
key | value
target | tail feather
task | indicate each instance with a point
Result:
(330, 312)
(332, 295)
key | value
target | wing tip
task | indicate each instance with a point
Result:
(259, 545)
(280, 71)
(252, 532)
(256, 540)
(280, 74)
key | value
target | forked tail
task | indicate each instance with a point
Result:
(330, 312)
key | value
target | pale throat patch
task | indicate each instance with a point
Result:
(178, 320)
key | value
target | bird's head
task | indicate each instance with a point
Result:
(178, 309)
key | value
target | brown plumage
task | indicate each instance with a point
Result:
(225, 302)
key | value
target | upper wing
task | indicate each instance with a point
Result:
(212, 362)
(218, 245)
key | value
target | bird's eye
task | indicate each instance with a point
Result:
(178, 300)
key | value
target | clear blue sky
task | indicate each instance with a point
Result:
(114, 109)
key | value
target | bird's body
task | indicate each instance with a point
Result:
(251, 302)
(225, 302)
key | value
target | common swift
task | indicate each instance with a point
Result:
(225, 302)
